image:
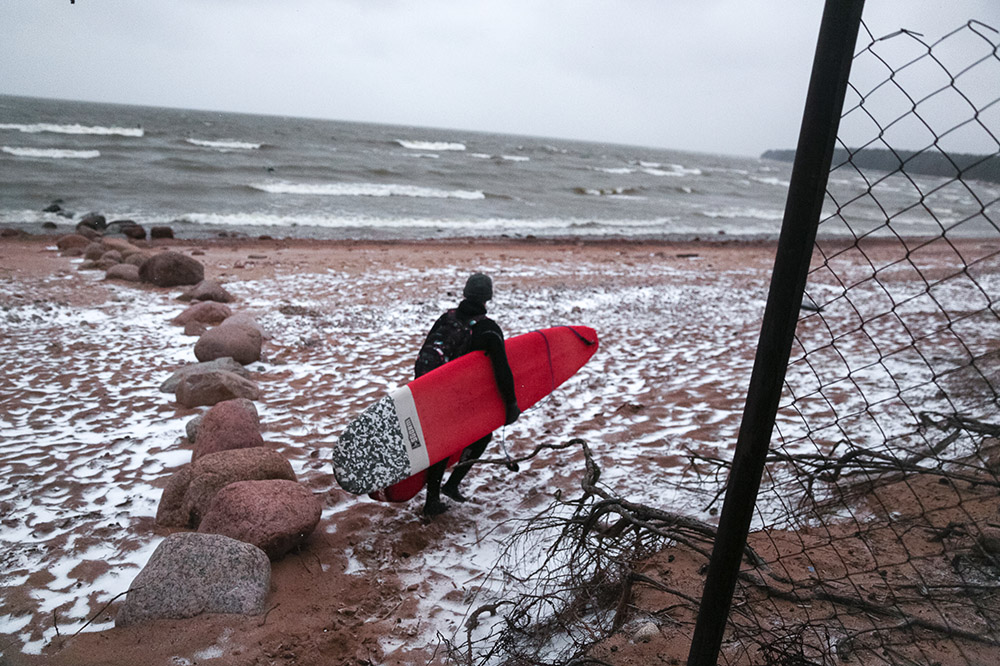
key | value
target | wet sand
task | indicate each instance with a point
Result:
(89, 441)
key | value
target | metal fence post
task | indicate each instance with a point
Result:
(807, 190)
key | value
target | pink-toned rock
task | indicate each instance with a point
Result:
(134, 231)
(190, 574)
(161, 232)
(122, 246)
(274, 515)
(137, 259)
(126, 272)
(190, 491)
(87, 232)
(172, 269)
(105, 264)
(94, 251)
(208, 312)
(70, 241)
(239, 339)
(214, 386)
(195, 329)
(207, 290)
(231, 424)
(227, 364)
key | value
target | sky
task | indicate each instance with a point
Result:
(716, 76)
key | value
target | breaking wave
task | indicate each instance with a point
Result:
(37, 128)
(743, 213)
(223, 145)
(52, 153)
(608, 191)
(430, 145)
(366, 190)
(652, 169)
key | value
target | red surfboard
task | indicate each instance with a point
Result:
(385, 451)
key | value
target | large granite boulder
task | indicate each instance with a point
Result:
(94, 221)
(94, 251)
(172, 269)
(190, 491)
(190, 574)
(211, 387)
(128, 228)
(126, 272)
(72, 242)
(207, 312)
(238, 337)
(122, 246)
(137, 259)
(157, 233)
(207, 290)
(112, 257)
(89, 232)
(274, 515)
(230, 424)
(227, 364)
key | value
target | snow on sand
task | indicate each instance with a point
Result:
(88, 441)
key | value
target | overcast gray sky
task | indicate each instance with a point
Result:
(724, 76)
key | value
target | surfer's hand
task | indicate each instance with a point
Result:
(512, 413)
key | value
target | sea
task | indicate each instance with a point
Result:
(207, 173)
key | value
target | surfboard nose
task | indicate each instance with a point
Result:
(586, 334)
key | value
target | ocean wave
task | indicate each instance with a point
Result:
(453, 226)
(430, 145)
(737, 213)
(652, 169)
(503, 158)
(771, 181)
(657, 169)
(365, 190)
(51, 153)
(608, 191)
(223, 145)
(36, 128)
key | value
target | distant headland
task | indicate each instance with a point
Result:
(978, 167)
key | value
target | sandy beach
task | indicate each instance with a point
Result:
(90, 441)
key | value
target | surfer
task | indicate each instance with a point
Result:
(458, 332)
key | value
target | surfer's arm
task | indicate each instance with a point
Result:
(490, 339)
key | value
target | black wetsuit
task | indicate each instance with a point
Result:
(486, 336)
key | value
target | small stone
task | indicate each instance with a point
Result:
(646, 633)
(989, 540)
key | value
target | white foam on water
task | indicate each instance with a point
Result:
(365, 190)
(35, 128)
(431, 145)
(224, 145)
(51, 153)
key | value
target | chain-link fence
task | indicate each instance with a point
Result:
(881, 497)
(876, 537)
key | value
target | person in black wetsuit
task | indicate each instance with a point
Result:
(458, 332)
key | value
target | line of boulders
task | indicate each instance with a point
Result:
(97, 223)
(241, 496)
